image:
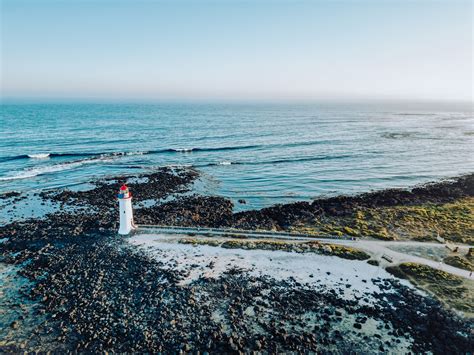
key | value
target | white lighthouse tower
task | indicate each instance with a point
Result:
(126, 212)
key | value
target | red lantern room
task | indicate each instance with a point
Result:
(124, 193)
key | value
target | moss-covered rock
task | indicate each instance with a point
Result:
(350, 231)
(453, 221)
(460, 262)
(198, 241)
(347, 252)
(429, 274)
(448, 288)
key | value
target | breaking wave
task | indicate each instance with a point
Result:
(278, 161)
(42, 170)
(39, 156)
(208, 149)
(151, 152)
(119, 154)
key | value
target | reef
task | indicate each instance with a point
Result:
(94, 292)
(425, 212)
(444, 209)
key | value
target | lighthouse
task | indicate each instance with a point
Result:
(126, 213)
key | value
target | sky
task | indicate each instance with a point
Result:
(237, 50)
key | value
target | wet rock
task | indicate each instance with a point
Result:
(192, 210)
(10, 194)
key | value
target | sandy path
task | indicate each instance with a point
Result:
(307, 268)
(374, 247)
(377, 249)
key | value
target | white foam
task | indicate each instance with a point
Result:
(122, 154)
(33, 172)
(39, 156)
(179, 165)
(225, 163)
(23, 175)
(183, 150)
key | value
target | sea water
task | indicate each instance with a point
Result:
(263, 153)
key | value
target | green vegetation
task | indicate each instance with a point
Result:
(373, 262)
(453, 221)
(310, 231)
(298, 247)
(425, 273)
(266, 245)
(448, 288)
(461, 262)
(198, 241)
(347, 252)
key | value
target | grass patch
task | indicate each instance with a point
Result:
(450, 289)
(461, 262)
(347, 252)
(453, 221)
(428, 274)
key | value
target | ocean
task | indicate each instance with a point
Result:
(263, 153)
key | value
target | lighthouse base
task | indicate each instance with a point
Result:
(125, 231)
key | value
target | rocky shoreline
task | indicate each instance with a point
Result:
(217, 211)
(188, 209)
(98, 293)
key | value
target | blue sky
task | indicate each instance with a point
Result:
(261, 49)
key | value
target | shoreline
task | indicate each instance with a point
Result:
(98, 292)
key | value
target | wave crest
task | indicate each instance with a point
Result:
(39, 156)
(42, 170)
(119, 154)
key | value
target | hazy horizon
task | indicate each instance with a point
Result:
(198, 51)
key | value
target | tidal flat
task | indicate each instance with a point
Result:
(79, 286)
